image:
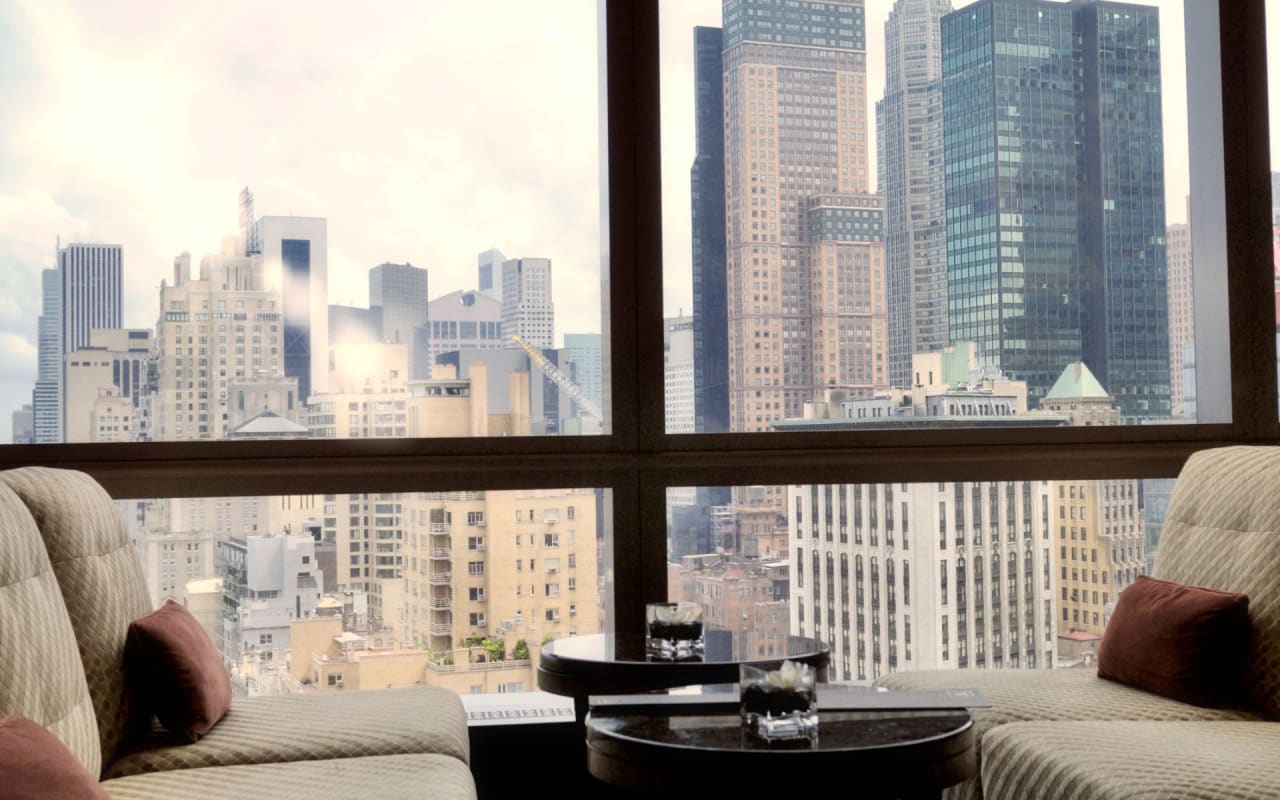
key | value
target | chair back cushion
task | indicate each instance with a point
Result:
(1222, 531)
(101, 581)
(42, 678)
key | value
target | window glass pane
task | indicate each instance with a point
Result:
(1015, 574)
(212, 227)
(352, 591)
(867, 201)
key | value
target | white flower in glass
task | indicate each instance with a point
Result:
(684, 612)
(791, 675)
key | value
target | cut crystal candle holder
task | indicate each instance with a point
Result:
(779, 704)
(673, 631)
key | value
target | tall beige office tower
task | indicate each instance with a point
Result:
(804, 248)
(223, 325)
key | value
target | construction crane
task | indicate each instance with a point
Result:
(563, 381)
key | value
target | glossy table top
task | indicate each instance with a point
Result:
(874, 753)
(611, 663)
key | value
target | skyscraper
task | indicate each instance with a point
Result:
(489, 272)
(1055, 193)
(527, 310)
(84, 293)
(802, 239)
(706, 181)
(1182, 317)
(295, 252)
(45, 399)
(400, 291)
(92, 288)
(584, 356)
(222, 326)
(909, 162)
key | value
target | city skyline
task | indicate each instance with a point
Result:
(26, 246)
(678, 152)
(187, 110)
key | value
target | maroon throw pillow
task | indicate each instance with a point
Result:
(36, 765)
(176, 671)
(1184, 642)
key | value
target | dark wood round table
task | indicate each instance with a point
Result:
(867, 754)
(612, 663)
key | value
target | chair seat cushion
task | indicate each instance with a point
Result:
(1064, 694)
(399, 777)
(261, 730)
(1131, 760)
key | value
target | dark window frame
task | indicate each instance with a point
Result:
(636, 460)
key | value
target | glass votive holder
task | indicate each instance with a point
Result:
(779, 704)
(673, 631)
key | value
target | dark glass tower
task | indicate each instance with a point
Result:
(1055, 193)
(1123, 219)
(706, 178)
(295, 261)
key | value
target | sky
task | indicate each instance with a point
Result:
(423, 132)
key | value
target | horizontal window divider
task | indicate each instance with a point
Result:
(932, 464)
(344, 470)
(220, 450)
(267, 477)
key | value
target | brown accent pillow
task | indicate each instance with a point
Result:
(36, 765)
(1184, 642)
(176, 671)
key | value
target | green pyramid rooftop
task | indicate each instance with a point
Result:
(1076, 382)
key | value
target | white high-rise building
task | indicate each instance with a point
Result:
(527, 310)
(470, 320)
(1182, 318)
(268, 581)
(677, 358)
(84, 293)
(918, 576)
(46, 398)
(677, 362)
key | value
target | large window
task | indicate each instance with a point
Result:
(636, 459)
(372, 240)
(865, 201)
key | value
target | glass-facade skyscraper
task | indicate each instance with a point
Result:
(295, 253)
(706, 182)
(1054, 156)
